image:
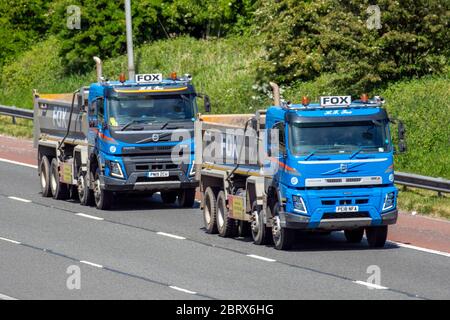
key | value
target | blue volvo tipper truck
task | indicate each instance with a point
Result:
(118, 137)
(317, 167)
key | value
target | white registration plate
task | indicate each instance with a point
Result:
(158, 174)
(347, 209)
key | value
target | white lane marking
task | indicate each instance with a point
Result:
(89, 216)
(9, 240)
(182, 290)
(18, 163)
(174, 236)
(20, 199)
(254, 256)
(408, 246)
(371, 285)
(92, 264)
(5, 297)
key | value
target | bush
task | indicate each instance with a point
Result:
(305, 39)
(221, 71)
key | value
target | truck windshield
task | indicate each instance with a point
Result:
(149, 109)
(339, 137)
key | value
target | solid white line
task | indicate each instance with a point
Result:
(254, 256)
(9, 240)
(18, 163)
(5, 297)
(408, 246)
(92, 264)
(174, 236)
(89, 216)
(19, 199)
(371, 285)
(183, 290)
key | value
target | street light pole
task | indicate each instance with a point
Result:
(131, 71)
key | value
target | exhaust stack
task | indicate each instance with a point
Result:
(276, 94)
(99, 65)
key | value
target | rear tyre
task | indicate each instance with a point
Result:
(283, 238)
(210, 211)
(169, 197)
(85, 194)
(60, 191)
(376, 236)
(186, 198)
(354, 236)
(260, 234)
(44, 167)
(225, 225)
(103, 198)
(244, 229)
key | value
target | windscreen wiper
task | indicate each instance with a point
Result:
(359, 150)
(129, 124)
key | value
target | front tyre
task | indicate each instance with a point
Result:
(103, 198)
(60, 191)
(168, 197)
(376, 236)
(283, 238)
(44, 168)
(186, 198)
(354, 236)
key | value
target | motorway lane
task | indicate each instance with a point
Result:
(321, 267)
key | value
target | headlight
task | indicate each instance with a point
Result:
(389, 201)
(116, 169)
(299, 204)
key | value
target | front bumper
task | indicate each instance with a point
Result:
(138, 181)
(295, 221)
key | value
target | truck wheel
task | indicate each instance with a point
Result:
(103, 198)
(260, 234)
(355, 235)
(244, 229)
(225, 225)
(45, 177)
(376, 236)
(85, 194)
(60, 190)
(186, 198)
(283, 238)
(210, 211)
(168, 197)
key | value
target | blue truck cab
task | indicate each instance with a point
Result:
(336, 169)
(135, 129)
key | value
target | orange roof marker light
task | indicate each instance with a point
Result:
(174, 76)
(122, 78)
(365, 98)
(305, 101)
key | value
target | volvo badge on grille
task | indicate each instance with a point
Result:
(155, 137)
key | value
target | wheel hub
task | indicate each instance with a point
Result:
(255, 222)
(276, 227)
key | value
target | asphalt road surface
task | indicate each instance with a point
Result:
(146, 250)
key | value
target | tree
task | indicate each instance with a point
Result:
(305, 39)
(21, 24)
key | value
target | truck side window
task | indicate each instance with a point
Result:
(282, 137)
(101, 110)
